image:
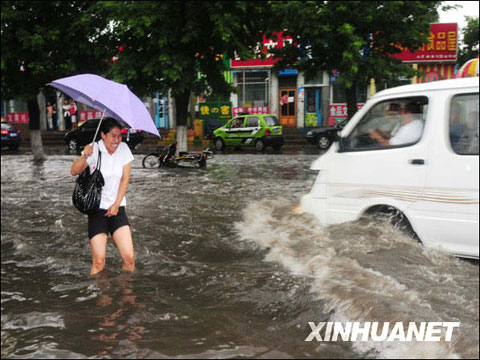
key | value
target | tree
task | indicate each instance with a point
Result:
(42, 41)
(356, 38)
(165, 45)
(470, 42)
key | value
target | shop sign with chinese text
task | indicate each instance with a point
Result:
(217, 110)
(338, 112)
(267, 45)
(18, 118)
(442, 46)
(88, 115)
(251, 110)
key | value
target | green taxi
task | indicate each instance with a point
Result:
(258, 130)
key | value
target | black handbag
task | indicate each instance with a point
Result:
(88, 188)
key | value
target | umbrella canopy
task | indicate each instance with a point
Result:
(469, 69)
(113, 99)
(432, 76)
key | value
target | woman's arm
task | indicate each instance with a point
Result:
(81, 163)
(122, 190)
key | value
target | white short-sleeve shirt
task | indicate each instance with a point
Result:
(408, 133)
(111, 167)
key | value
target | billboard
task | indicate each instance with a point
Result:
(267, 44)
(442, 46)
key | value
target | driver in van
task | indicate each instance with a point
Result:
(410, 129)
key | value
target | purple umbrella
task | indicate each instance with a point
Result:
(113, 99)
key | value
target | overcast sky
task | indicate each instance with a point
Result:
(470, 8)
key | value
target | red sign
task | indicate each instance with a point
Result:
(89, 114)
(267, 44)
(19, 118)
(339, 111)
(442, 46)
(251, 110)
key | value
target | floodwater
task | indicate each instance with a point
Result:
(225, 269)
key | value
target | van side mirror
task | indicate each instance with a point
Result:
(341, 144)
(337, 138)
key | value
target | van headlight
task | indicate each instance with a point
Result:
(310, 133)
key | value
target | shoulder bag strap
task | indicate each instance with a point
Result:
(99, 159)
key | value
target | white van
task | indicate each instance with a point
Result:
(411, 150)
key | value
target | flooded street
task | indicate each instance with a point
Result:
(225, 269)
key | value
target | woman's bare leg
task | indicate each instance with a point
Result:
(123, 239)
(99, 249)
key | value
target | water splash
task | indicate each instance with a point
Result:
(370, 273)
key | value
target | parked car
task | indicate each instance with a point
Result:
(10, 136)
(258, 130)
(76, 139)
(324, 136)
(419, 165)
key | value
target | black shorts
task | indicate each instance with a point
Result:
(99, 223)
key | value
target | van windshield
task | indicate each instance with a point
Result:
(271, 121)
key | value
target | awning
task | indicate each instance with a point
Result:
(469, 69)
(432, 76)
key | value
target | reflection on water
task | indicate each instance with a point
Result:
(225, 269)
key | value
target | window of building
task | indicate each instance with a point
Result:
(317, 79)
(253, 87)
(393, 123)
(463, 124)
(311, 100)
(338, 92)
(16, 106)
(287, 82)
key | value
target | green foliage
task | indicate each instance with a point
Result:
(470, 43)
(46, 40)
(166, 44)
(353, 37)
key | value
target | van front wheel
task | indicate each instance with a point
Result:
(392, 216)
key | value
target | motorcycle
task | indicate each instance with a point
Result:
(167, 158)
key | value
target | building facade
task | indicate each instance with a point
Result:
(298, 102)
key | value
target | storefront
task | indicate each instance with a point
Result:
(161, 106)
(263, 91)
(287, 97)
(254, 91)
(338, 101)
(315, 96)
(298, 103)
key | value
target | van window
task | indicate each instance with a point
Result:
(392, 123)
(463, 124)
(252, 121)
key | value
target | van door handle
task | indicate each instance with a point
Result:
(417, 162)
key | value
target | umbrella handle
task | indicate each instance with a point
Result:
(98, 127)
